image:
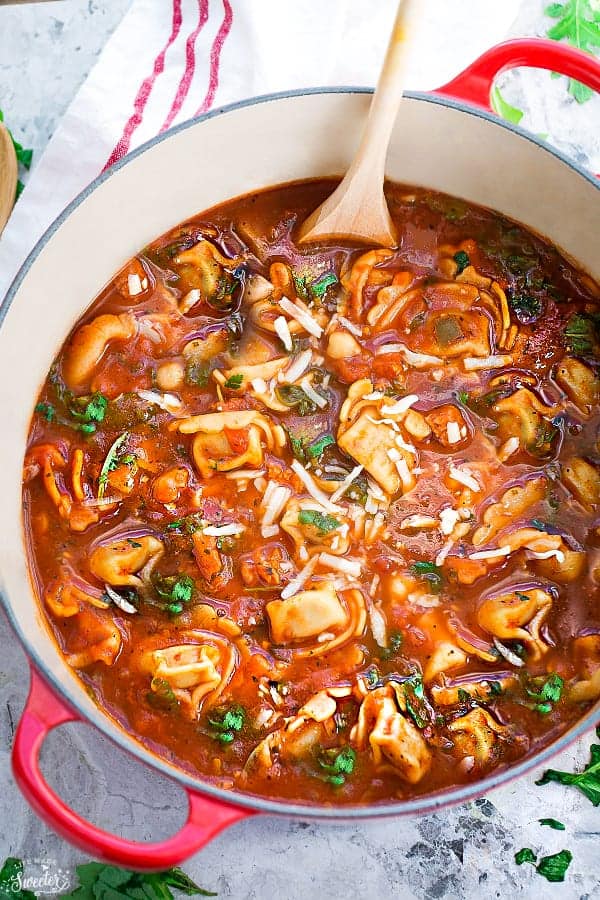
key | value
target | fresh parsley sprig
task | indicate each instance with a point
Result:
(588, 781)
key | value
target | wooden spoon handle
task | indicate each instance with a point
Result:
(388, 94)
(8, 176)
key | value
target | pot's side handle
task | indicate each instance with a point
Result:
(475, 83)
(45, 711)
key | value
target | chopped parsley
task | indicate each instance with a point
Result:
(462, 261)
(430, 573)
(552, 868)
(582, 334)
(197, 374)
(162, 695)
(176, 589)
(234, 382)
(319, 287)
(317, 447)
(463, 398)
(324, 523)
(525, 307)
(525, 855)
(552, 823)
(229, 723)
(100, 881)
(588, 781)
(89, 409)
(110, 463)
(46, 410)
(338, 764)
(550, 692)
(293, 395)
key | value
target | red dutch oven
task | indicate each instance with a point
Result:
(450, 141)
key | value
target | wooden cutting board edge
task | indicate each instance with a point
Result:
(8, 176)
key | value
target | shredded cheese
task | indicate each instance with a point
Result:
(346, 483)
(134, 284)
(418, 360)
(312, 395)
(350, 567)
(350, 326)
(417, 522)
(464, 476)
(189, 300)
(169, 402)
(269, 531)
(547, 554)
(259, 385)
(283, 332)
(297, 583)
(448, 519)
(491, 554)
(473, 363)
(400, 406)
(301, 316)
(223, 530)
(453, 432)
(274, 499)
(313, 489)
(296, 368)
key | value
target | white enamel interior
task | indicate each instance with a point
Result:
(240, 150)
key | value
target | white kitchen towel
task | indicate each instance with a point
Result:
(170, 60)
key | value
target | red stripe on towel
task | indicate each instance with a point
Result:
(215, 57)
(145, 89)
(190, 66)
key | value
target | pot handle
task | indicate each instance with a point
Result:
(45, 711)
(475, 83)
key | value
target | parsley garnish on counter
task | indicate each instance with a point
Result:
(579, 24)
(98, 881)
(552, 823)
(552, 868)
(588, 781)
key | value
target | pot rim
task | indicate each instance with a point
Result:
(109, 726)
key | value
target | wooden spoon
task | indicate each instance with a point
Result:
(8, 176)
(357, 209)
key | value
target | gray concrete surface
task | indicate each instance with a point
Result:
(46, 49)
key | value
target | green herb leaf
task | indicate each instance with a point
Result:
(429, 572)
(552, 823)
(110, 462)
(319, 287)
(525, 855)
(234, 382)
(229, 723)
(101, 882)
(582, 334)
(325, 523)
(503, 108)
(462, 261)
(46, 410)
(525, 307)
(588, 781)
(11, 879)
(162, 695)
(338, 763)
(176, 588)
(553, 868)
(315, 449)
(579, 24)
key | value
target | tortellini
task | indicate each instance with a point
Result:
(395, 742)
(116, 563)
(317, 613)
(197, 670)
(517, 615)
(224, 441)
(88, 345)
(479, 736)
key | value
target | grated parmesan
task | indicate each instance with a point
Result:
(297, 583)
(274, 499)
(464, 476)
(352, 567)
(310, 392)
(223, 530)
(189, 300)
(296, 368)
(134, 284)
(491, 554)
(418, 521)
(473, 363)
(400, 406)
(259, 385)
(453, 432)
(448, 519)
(346, 483)
(313, 489)
(301, 316)
(283, 332)
(169, 402)
(350, 326)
